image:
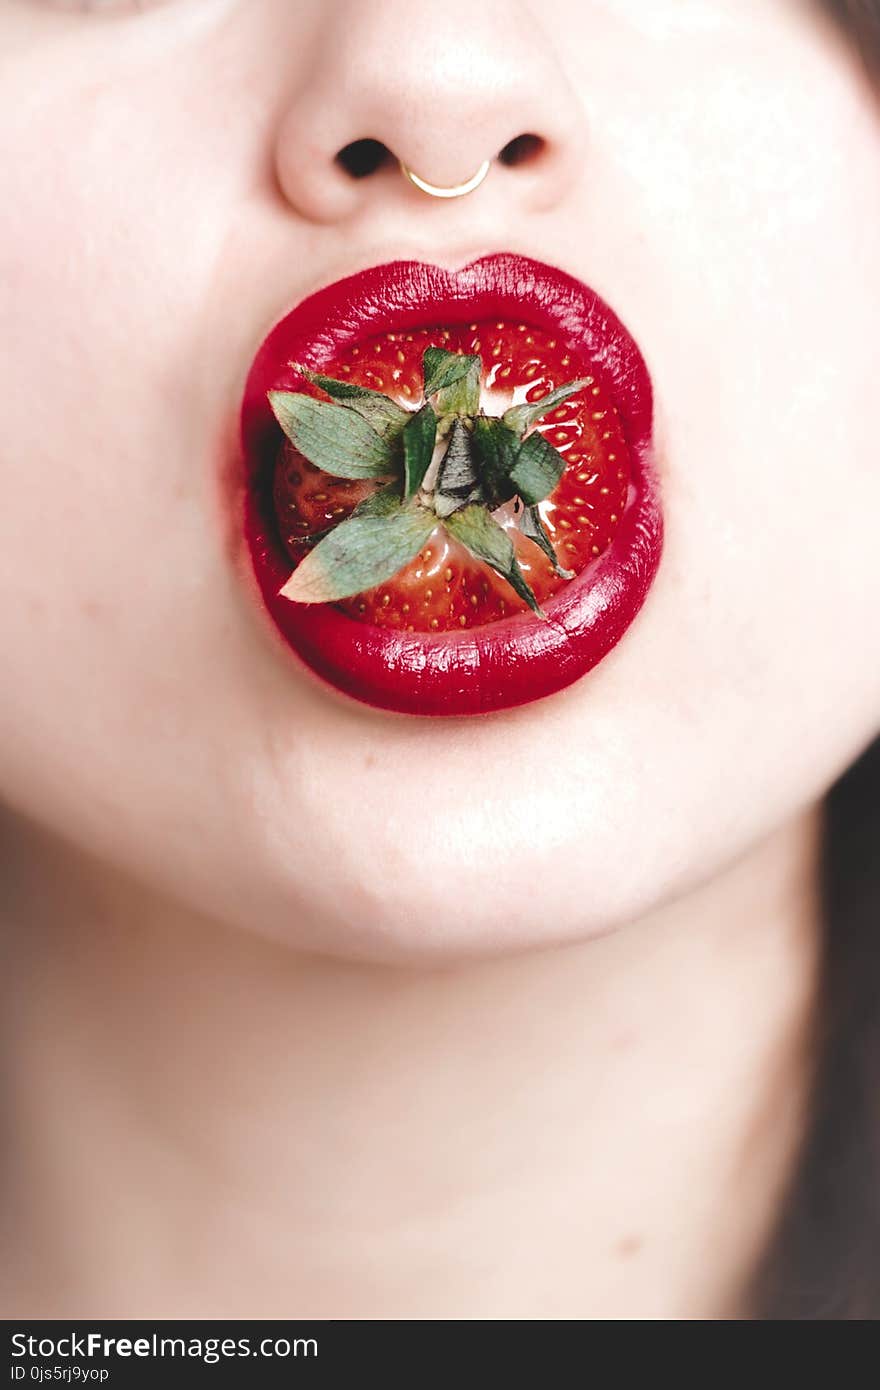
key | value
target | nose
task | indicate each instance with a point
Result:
(438, 86)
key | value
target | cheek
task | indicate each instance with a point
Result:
(110, 251)
(777, 436)
(752, 202)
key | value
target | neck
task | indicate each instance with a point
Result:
(211, 1125)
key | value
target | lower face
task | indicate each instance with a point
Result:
(153, 715)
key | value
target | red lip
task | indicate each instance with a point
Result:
(501, 664)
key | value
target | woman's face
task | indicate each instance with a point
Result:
(169, 191)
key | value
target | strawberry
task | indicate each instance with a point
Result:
(422, 486)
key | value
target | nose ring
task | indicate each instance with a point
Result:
(457, 190)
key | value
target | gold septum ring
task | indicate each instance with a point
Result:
(457, 190)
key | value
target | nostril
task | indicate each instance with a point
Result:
(521, 150)
(363, 157)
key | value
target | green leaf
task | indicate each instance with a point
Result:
(359, 553)
(463, 397)
(519, 418)
(488, 541)
(537, 469)
(385, 502)
(339, 390)
(385, 415)
(334, 439)
(458, 476)
(441, 368)
(444, 506)
(531, 525)
(496, 448)
(454, 378)
(419, 438)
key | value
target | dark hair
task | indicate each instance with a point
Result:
(860, 20)
(824, 1260)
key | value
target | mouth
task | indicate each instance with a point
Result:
(446, 635)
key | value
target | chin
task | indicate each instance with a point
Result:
(451, 894)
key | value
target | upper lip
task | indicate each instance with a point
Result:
(591, 613)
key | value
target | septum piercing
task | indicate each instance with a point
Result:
(457, 190)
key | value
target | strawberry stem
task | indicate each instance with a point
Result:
(486, 462)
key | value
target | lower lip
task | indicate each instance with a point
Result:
(518, 659)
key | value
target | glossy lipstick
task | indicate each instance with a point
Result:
(516, 659)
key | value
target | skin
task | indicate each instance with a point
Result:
(182, 804)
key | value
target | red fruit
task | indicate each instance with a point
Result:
(445, 588)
